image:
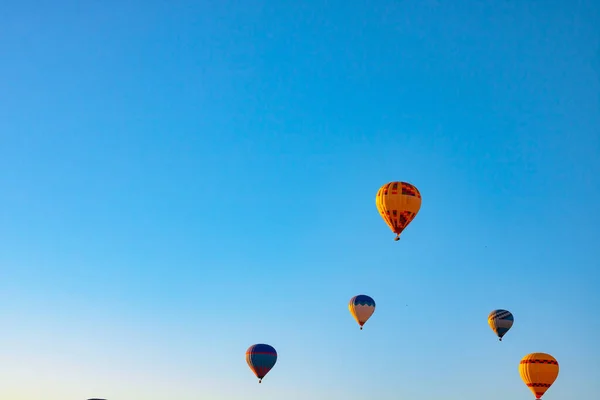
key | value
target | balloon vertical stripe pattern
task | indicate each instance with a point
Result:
(261, 358)
(361, 307)
(538, 371)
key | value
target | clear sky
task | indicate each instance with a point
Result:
(182, 179)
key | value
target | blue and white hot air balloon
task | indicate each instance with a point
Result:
(500, 321)
(361, 307)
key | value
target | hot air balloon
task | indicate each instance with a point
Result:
(398, 204)
(361, 307)
(500, 321)
(261, 358)
(538, 371)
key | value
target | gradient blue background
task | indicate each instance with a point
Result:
(182, 179)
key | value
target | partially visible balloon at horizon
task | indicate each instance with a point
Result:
(361, 307)
(539, 371)
(398, 204)
(261, 358)
(500, 321)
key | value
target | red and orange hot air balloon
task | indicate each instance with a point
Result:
(398, 204)
(538, 371)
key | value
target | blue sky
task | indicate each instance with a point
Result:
(180, 180)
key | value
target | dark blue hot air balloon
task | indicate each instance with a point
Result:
(501, 321)
(261, 358)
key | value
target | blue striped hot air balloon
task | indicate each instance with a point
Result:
(261, 358)
(361, 307)
(500, 321)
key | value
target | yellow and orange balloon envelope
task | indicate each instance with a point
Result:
(361, 307)
(398, 204)
(538, 371)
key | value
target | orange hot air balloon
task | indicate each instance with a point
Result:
(398, 204)
(538, 371)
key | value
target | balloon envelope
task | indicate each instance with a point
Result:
(538, 371)
(261, 358)
(500, 321)
(398, 204)
(361, 307)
